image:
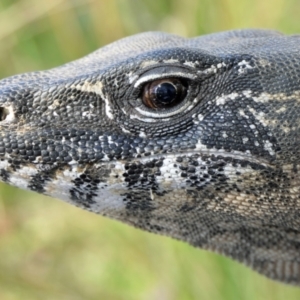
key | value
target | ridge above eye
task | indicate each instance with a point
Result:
(164, 93)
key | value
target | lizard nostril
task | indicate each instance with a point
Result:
(3, 113)
(6, 114)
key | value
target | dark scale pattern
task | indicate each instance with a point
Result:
(4, 175)
(140, 179)
(219, 169)
(86, 185)
(84, 190)
(37, 182)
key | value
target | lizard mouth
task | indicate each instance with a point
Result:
(216, 154)
(236, 155)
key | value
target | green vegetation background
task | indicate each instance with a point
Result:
(50, 250)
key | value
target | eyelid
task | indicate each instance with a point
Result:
(164, 72)
(153, 114)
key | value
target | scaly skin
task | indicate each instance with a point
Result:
(218, 170)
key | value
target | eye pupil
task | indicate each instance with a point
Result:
(166, 93)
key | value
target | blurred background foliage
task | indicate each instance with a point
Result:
(50, 250)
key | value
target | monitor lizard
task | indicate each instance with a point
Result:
(196, 139)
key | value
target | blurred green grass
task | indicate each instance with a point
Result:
(50, 250)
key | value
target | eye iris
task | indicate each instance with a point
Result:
(165, 93)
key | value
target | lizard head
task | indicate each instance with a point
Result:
(192, 138)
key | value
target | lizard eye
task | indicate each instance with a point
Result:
(164, 93)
